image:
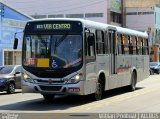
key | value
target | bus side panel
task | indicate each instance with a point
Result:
(140, 65)
(146, 67)
(134, 63)
(120, 73)
(114, 79)
(124, 68)
(91, 78)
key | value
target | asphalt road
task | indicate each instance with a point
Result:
(146, 98)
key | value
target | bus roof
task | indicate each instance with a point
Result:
(99, 25)
(131, 32)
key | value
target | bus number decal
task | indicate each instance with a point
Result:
(30, 61)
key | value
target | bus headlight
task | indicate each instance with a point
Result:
(75, 79)
(27, 78)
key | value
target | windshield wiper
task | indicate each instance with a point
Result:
(60, 40)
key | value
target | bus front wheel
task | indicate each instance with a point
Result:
(48, 97)
(99, 90)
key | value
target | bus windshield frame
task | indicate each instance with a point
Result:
(58, 35)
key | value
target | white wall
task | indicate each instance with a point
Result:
(140, 21)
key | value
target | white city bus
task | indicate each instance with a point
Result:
(81, 57)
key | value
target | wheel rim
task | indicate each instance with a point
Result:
(11, 88)
(98, 93)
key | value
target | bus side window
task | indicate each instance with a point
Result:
(86, 43)
(106, 46)
(126, 45)
(90, 44)
(139, 46)
(122, 43)
(134, 42)
(145, 48)
(100, 45)
(130, 45)
(142, 44)
(119, 45)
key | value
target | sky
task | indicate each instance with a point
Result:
(33, 7)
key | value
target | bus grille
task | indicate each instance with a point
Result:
(45, 74)
(50, 88)
(46, 81)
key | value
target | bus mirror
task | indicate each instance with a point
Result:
(15, 43)
(87, 30)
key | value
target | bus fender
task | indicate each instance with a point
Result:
(101, 75)
(133, 69)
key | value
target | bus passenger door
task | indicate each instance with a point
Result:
(90, 63)
(113, 80)
(112, 43)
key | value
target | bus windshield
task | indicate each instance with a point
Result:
(52, 51)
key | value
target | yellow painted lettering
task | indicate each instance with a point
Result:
(53, 26)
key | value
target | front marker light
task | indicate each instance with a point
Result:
(75, 79)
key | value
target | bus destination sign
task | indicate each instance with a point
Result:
(53, 26)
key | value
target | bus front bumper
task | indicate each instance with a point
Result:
(57, 89)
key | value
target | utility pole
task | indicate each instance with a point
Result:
(123, 13)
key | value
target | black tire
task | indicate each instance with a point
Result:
(11, 88)
(151, 72)
(132, 86)
(48, 97)
(99, 90)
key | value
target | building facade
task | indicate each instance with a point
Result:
(105, 11)
(11, 22)
(115, 12)
(144, 15)
(141, 3)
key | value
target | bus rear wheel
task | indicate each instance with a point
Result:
(48, 97)
(99, 90)
(132, 86)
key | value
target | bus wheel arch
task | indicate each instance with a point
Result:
(103, 79)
